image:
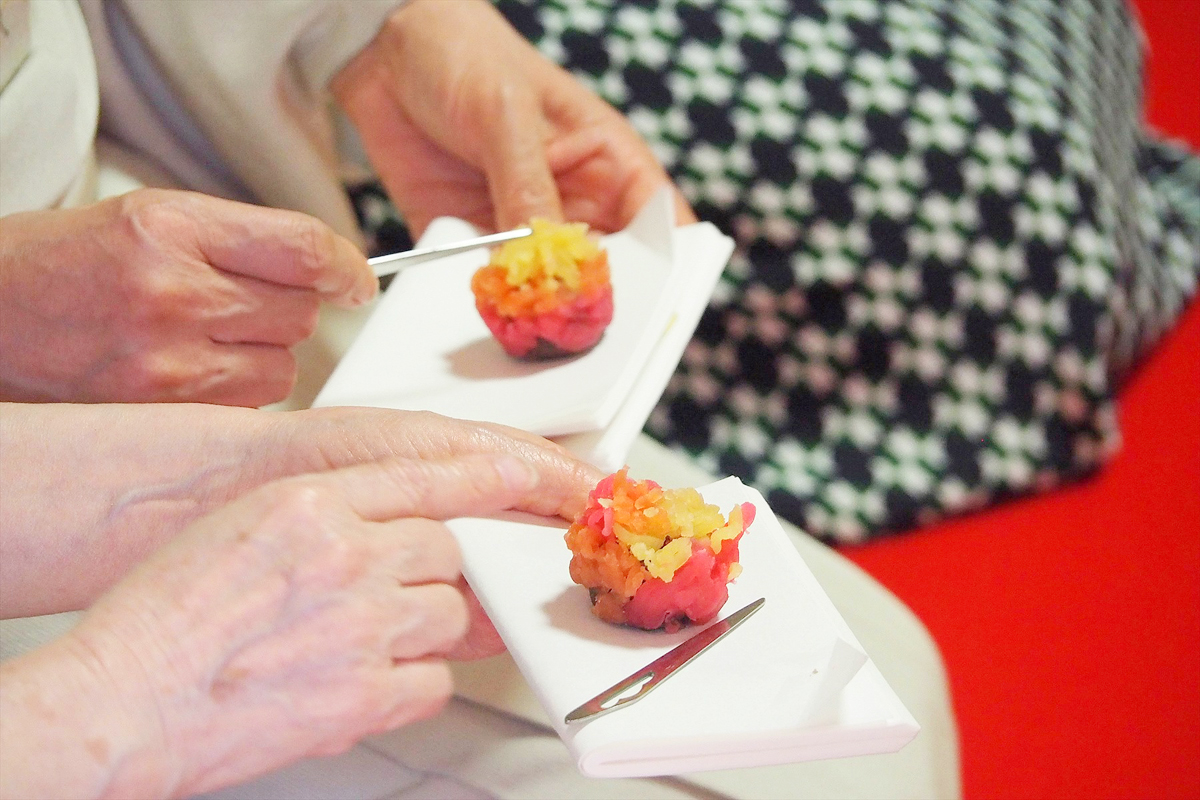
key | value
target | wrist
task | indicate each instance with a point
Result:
(151, 470)
(69, 728)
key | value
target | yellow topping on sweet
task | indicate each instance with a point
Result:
(661, 563)
(659, 525)
(728, 531)
(634, 540)
(551, 254)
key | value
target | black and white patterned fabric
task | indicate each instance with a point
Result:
(954, 237)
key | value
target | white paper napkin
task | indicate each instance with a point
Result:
(765, 694)
(705, 251)
(426, 348)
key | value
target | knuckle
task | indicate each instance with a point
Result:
(506, 95)
(429, 619)
(155, 295)
(152, 215)
(343, 557)
(296, 505)
(412, 556)
(433, 421)
(273, 379)
(460, 615)
(533, 200)
(164, 372)
(153, 375)
(316, 248)
(450, 610)
(443, 549)
(301, 523)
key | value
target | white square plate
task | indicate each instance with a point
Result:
(425, 346)
(768, 693)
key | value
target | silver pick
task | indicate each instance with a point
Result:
(394, 262)
(662, 667)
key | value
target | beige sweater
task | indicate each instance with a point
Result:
(48, 106)
(246, 80)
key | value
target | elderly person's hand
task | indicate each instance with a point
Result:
(165, 296)
(307, 614)
(92, 490)
(461, 116)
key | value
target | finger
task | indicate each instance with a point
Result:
(383, 699)
(248, 375)
(482, 639)
(426, 620)
(643, 187)
(283, 247)
(413, 690)
(264, 313)
(520, 181)
(564, 479)
(684, 213)
(610, 174)
(471, 485)
(415, 550)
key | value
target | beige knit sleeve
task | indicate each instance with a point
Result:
(253, 77)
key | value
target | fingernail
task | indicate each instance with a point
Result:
(516, 473)
(366, 293)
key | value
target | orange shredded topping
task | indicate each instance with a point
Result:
(540, 272)
(634, 530)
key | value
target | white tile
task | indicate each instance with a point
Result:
(358, 774)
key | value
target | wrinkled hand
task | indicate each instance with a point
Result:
(461, 116)
(310, 613)
(329, 438)
(141, 474)
(165, 296)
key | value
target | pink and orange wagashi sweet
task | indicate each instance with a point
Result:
(548, 294)
(655, 558)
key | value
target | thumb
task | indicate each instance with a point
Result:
(279, 246)
(520, 181)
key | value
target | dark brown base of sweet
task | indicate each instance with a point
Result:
(671, 624)
(546, 350)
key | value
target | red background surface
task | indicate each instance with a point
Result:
(1070, 622)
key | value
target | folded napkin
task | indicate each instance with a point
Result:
(425, 346)
(770, 692)
(700, 253)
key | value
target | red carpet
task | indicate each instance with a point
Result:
(1070, 622)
